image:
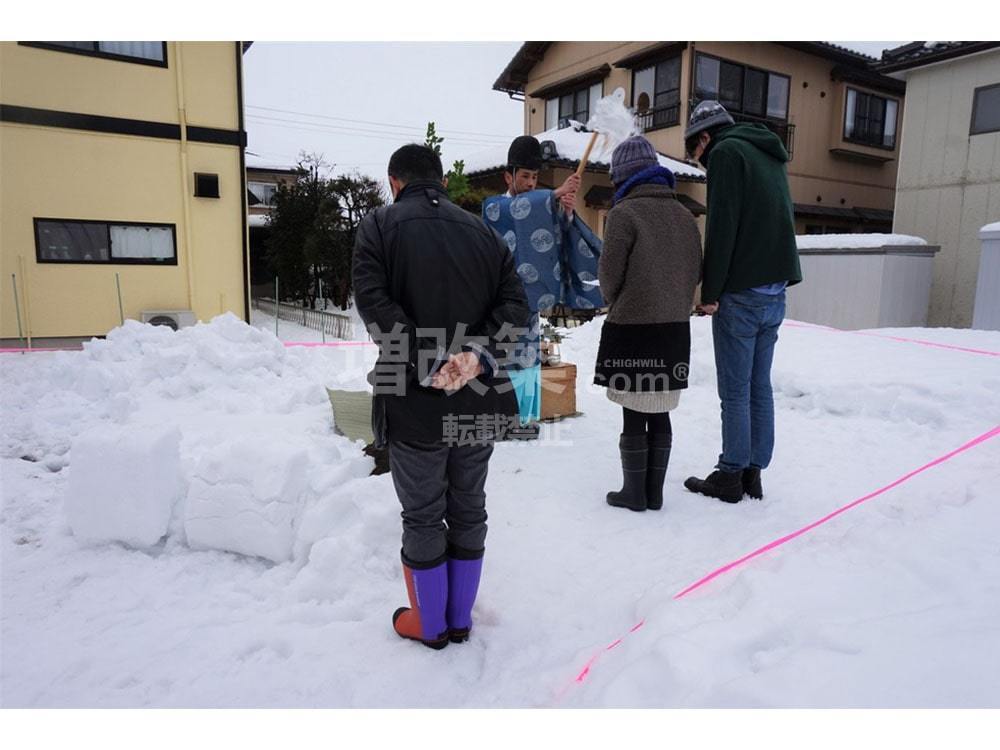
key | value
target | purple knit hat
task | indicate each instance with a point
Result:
(631, 157)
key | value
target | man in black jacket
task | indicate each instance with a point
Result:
(440, 295)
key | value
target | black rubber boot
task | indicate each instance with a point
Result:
(724, 485)
(751, 482)
(656, 471)
(635, 459)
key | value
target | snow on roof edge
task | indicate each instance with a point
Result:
(570, 145)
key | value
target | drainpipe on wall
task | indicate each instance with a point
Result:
(185, 192)
(691, 72)
(244, 229)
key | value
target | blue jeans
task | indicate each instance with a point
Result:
(744, 331)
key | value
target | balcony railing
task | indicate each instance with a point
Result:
(660, 117)
(784, 130)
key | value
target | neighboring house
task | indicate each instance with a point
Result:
(949, 167)
(838, 118)
(122, 161)
(263, 181)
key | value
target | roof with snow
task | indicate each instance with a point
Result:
(570, 143)
(916, 54)
(255, 162)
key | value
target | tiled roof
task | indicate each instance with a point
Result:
(515, 76)
(915, 54)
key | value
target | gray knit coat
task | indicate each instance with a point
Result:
(651, 261)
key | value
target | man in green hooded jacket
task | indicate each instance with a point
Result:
(750, 259)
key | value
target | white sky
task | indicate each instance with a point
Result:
(395, 88)
(356, 102)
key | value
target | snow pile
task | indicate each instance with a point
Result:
(894, 603)
(124, 485)
(208, 431)
(570, 144)
(246, 497)
(824, 241)
(995, 227)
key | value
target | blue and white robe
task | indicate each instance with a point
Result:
(556, 258)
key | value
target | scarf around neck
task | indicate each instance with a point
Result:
(654, 175)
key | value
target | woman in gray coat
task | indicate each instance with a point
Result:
(648, 271)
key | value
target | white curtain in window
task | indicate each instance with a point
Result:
(145, 50)
(551, 113)
(852, 100)
(889, 132)
(264, 191)
(777, 97)
(596, 92)
(142, 242)
(644, 85)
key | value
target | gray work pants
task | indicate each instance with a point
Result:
(442, 491)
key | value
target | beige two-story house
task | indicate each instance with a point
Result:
(838, 118)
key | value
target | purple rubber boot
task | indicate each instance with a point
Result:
(464, 570)
(424, 620)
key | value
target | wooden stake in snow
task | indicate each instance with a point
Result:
(121, 308)
(17, 308)
(613, 120)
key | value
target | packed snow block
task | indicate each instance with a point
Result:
(124, 482)
(246, 496)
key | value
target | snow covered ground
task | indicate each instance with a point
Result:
(279, 570)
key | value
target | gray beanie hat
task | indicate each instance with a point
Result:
(708, 114)
(631, 157)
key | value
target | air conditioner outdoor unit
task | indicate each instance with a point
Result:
(173, 318)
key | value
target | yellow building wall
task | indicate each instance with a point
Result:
(70, 82)
(60, 173)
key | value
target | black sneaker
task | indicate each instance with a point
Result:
(751, 482)
(724, 485)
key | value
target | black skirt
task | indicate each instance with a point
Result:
(644, 357)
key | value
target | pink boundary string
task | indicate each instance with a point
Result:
(32, 350)
(990, 434)
(922, 342)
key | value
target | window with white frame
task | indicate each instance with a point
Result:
(79, 241)
(263, 192)
(574, 105)
(870, 119)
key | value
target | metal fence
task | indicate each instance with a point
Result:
(659, 117)
(335, 325)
